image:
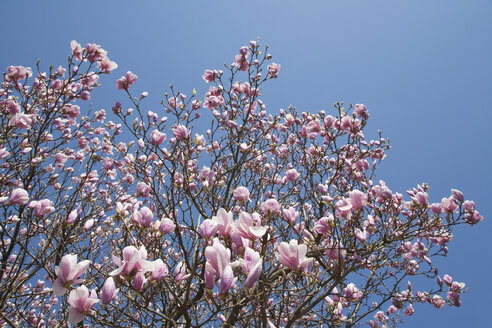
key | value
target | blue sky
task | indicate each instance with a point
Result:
(422, 68)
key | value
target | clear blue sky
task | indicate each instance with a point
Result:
(423, 69)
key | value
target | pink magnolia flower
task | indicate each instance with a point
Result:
(448, 279)
(290, 215)
(436, 208)
(19, 196)
(144, 216)
(180, 272)
(421, 198)
(67, 273)
(242, 62)
(81, 302)
(245, 229)
(180, 132)
(469, 206)
(208, 228)
(223, 221)
(157, 137)
(458, 195)
(241, 194)
(143, 189)
(72, 216)
(292, 175)
(95, 52)
(437, 301)
(42, 207)
(382, 192)
(60, 159)
(196, 104)
(273, 70)
(161, 271)
(270, 207)
(109, 291)
(474, 218)
(324, 225)
(218, 265)
(343, 207)
(357, 199)
(455, 298)
(106, 65)
(251, 265)
(361, 111)
(166, 225)
(209, 76)
(125, 82)
(21, 120)
(352, 293)
(361, 235)
(293, 256)
(134, 262)
(313, 128)
(89, 224)
(449, 205)
(17, 73)
(76, 50)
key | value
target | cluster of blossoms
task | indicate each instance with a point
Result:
(255, 220)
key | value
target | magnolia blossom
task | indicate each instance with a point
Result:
(343, 208)
(76, 50)
(458, 195)
(109, 291)
(209, 76)
(223, 221)
(251, 265)
(106, 65)
(81, 302)
(135, 264)
(246, 228)
(361, 235)
(143, 189)
(157, 137)
(293, 256)
(357, 199)
(180, 132)
(273, 70)
(290, 215)
(68, 272)
(292, 174)
(161, 271)
(89, 224)
(208, 228)
(270, 207)
(324, 225)
(72, 216)
(218, 265)
(42, 207)
(125, 82)
(421, 198)
(242, 59)
(352, 293)
(144, 216)
(449, 205)
(241, 194)
(180, 272)
(361, 111)
(21, 120)
(19, 196)
(166, 225)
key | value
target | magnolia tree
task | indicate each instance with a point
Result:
(151, 219)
